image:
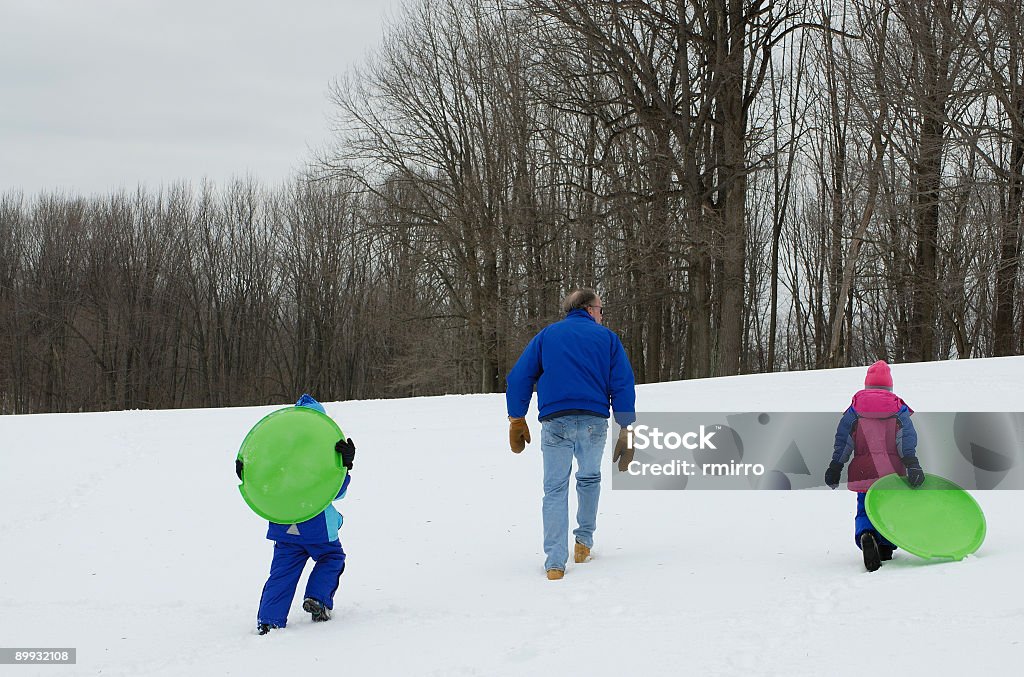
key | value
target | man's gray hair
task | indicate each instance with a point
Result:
(581, 298)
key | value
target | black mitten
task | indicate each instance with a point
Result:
(832, 474)
(347, 449)
(238, 467)
(915, 476)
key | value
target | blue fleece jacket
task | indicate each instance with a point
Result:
(320, 529)
(577, 365)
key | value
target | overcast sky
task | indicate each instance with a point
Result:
(101, 94)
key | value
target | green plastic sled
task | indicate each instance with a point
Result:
(938, 520)
(290, 470)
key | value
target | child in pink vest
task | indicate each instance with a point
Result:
(877, 431)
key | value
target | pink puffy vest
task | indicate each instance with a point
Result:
(874, 439)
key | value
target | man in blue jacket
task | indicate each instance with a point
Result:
(578, 367)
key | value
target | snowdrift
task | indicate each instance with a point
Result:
(123, 535)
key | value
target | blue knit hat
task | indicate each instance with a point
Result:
(310, 401)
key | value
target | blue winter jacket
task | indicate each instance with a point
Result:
(577, 365)
(320, 529)
(873, 403)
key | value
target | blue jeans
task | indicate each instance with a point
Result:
(562, 438)
(863, 523)
(285, 570)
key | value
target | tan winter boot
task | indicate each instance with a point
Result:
(555, 574)
(581, 553)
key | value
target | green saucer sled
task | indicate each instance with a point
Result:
(290, 470)
(938, 520)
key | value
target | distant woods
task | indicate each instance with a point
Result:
(752, 186)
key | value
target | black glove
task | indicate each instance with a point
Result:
(238, 467)
(347, 449)
(915, 476)
(832, 474)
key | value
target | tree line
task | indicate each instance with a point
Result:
(752, 185)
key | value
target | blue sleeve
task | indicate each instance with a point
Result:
(521, 380)
(621, 384)
(344, 486)
(906, 439)
(843, 446)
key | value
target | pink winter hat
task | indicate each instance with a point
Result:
(878, 376)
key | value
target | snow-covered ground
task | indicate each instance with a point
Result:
(123, 534)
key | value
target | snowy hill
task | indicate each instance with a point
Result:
(124, 536)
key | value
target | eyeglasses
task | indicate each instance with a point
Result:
(599, 309)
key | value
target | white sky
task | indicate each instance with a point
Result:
(101, 94)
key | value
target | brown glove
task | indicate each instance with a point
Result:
(623, 453)
(518, 433)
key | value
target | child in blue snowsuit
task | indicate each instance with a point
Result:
(877, 432)
(315, 538)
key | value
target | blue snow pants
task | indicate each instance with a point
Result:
(285, 570)
(862, 523)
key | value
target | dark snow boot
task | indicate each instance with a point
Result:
(869, 546)
(884, 552)
(264, 628)
(317, 610)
